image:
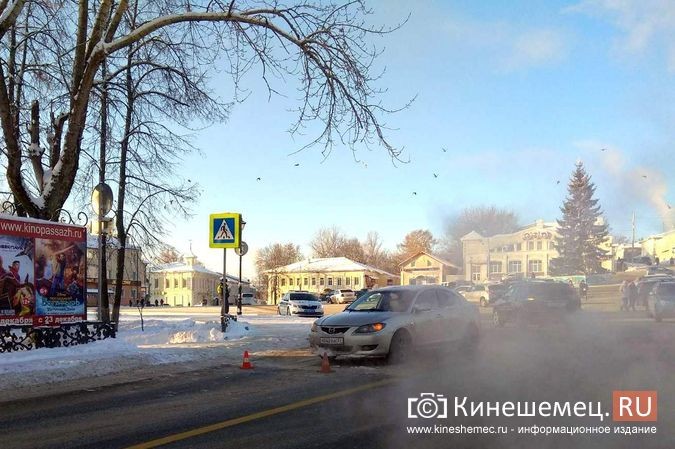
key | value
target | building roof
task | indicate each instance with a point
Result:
(436, 258)
(197, 267)
(541, 224)
(473, 235)
(327, 264)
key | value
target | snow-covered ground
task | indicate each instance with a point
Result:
(170, 337)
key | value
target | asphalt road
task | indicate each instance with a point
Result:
(284, 402)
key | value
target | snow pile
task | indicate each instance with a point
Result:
(166, 339)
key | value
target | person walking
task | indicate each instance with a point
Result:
(583, 289)
(632, 295)
(624, 295)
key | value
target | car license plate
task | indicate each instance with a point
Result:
(332, 340)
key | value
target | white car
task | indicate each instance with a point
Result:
(391, 321)
(342, 296)
(477, 293)
(247, 299)
(300, 303)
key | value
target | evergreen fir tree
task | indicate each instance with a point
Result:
(582, 229)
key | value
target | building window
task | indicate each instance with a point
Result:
(339, 282)
(184, 283)
(356, 280)
(290, 282)
(495, 267)
(515, 266)
(313, 282)
(348, 280)
(321, 281)
(156, 283)
(539, 245)
(475, 272)
(166, 283)
(189, 283)
(305, 282)
(519, 246)
(175, 283)
(534, 266)
(283, 282)
(133, 293)
(530, 245)
(330, 281)
(298, 282)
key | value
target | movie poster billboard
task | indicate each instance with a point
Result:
(42, 272)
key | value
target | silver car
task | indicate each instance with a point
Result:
(661, 302)
(389, 321)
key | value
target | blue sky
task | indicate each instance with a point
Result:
(516, 92)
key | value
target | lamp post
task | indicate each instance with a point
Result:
(101, 202)
(241, 251)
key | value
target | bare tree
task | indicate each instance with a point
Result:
(373, 253)
(328, 242)
(272, 257)
(168, 255)
(414, 242)
(49, 63)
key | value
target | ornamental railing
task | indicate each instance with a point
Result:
(23, 338)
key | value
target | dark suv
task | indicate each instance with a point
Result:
(535, 301)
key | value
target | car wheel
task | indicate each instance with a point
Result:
(399, 348)
(497, 319)
(483, 302)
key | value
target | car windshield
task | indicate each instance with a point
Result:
(303, 297)
(383, 301)
(346, 291)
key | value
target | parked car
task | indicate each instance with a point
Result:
(477, 293)
(535, 301)
(342, 296)
(661, 303)
(390, 321)
(360, 293)
(660, 270)
(247, 299)
(300, 303)
(496, 291)
(646, 284)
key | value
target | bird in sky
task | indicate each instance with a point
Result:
(644, 176)
(445, 150)
(435, 175)
(297, 165)
(258, 179)
(189, 180)
(603, 149)
(668, 206)
(557, 182)
(414, 193)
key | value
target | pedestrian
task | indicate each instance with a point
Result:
(657, 261)
(156, 303)
(624, 295)
(161, 302)
(632, 295)
(583, 289)
(131, 303)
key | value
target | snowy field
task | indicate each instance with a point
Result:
(172, 339)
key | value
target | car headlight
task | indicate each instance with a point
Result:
(370, 328)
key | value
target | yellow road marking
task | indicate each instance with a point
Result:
(252, 417)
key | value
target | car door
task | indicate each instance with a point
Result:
(427, 318)
(283, 303)
(454, 314)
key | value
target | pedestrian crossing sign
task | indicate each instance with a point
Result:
(224, 230)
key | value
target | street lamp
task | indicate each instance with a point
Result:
(101, 203)
(240, 251)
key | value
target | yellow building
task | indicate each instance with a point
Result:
(526, 252)
(316, 275)
(659, 245)
(425, 268)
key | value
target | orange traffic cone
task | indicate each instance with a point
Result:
(325, 364)
(246, 364)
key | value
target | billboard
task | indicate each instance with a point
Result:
(42, 272)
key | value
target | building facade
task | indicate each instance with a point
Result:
(317, 275)
(188, 283)
(133, 281)
(425, 268)
(659, 245)
(524, 253)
